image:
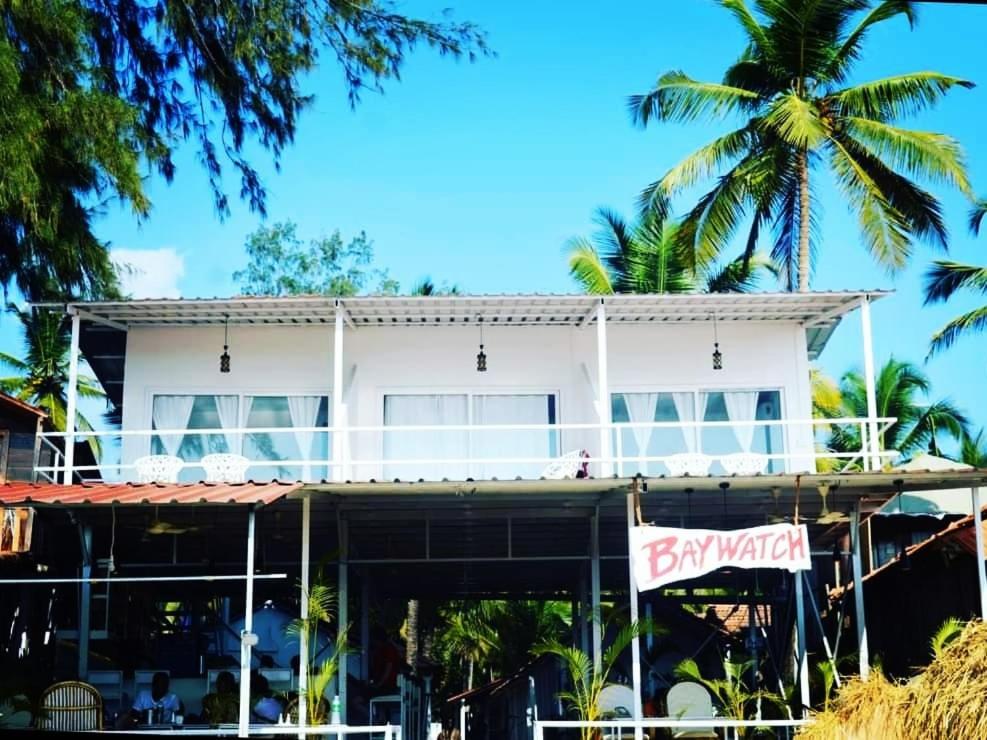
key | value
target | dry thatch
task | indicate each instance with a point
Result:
(948, 700)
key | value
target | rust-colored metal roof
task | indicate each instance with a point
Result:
(94, 494)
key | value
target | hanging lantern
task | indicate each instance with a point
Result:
(224, 359)
(717, 355)
(481, 356)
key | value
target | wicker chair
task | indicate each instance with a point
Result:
(223, 467)
(688, 463)
(71, 706)
(744, 463)
(158, 468)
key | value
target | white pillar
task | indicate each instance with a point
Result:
(246, 636)
(978, 531)
(858, 592)
(338, 412)
(636, 642)
(603, 388)
(869, 381)
(801, 656)
(342, 623)
(304, 651)
(596, 618)
(85, 602)
(71, 394)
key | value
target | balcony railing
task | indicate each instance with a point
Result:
(471, 451)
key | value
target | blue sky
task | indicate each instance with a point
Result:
(478, 173)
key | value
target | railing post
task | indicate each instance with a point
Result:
(71, 394)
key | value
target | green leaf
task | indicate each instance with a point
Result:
(894, 97)
(678, 97)
(796, 121)
(966, 324)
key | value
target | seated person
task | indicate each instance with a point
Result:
(158, 696)
(264, 707)
(223, 705)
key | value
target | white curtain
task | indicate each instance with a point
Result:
(304, 412)
(172, 412)
(641, 407)
(685, 409)
(742, 406)
(513, 410)
(227, 408)
(413, 410)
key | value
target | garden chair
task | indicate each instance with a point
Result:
(688, 463)
(689, 700)
(224, 467)
(158, 468)
(71, 706)
(744, 463)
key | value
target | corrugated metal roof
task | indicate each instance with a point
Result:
(101, 494)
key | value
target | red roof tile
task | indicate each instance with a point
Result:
(144, 493)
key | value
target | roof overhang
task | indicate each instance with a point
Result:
(136, 494)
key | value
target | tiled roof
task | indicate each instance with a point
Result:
(102, 494)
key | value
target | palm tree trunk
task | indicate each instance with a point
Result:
(469, 677)
(804, 221)
(412, 637)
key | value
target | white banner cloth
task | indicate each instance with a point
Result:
(665, 554)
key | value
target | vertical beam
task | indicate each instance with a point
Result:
(344, 614)
(869, 381)
(246, 635)
(365, 627)
(978, 507)
(632, 598)
(596, 620)
(85, 602)
(583, 608)
(338, 412)
(801, 655)
(304, 650)
(860, 617)
(71, 394)
(603, 388)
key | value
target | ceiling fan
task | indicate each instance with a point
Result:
(158, 526)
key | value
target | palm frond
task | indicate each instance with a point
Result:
(970, 322)
(742, 275)
(587, 268)
(705, 161)
(977, 214)
(849, 51)
(678, 97)
(897, 96)
(942, 637)
(754, 30)
(945, 277)
(796, 121)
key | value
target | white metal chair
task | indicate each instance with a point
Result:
(563, 467)
(688, 463)
(744, 463)
(616, 702)
(109, 684)
(158, 468)
(224, 467)
(690, 700)
(71, 706)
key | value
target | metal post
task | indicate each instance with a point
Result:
(71, 394)
(801, 655)
(636, 642)
(365, 627)
(246, 635)
(604, 410)
(344, 615)
(596, 618)
(583, 609)
(858, 592)
(338, 412)
(978, 531)
(304, 650)
(869, 382)
(85, 602)
(463, 714)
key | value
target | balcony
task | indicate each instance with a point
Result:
(434, 452)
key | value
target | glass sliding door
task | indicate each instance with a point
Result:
(642, 441)
(406, 448)
(738, 407)
(296, 415)
(172, 412)
(513, 410)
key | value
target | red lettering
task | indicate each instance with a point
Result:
(779, 540)
(796, 542)
(659, 550)
(704, 545)
(689, 551)
(749, 550)
(762, 539)
(727, 546)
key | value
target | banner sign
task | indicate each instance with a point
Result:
(664, 554)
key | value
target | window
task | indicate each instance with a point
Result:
(443, 448)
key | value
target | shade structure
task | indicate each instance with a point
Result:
(123, 494)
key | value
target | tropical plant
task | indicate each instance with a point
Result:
(587, 680)
(42, 377)
(948, 631)
(645, 257)
(426, 287)
(945, 278)
(900, 388)
(973, 449)
(798, 113)
(730, 692)
(321, 615)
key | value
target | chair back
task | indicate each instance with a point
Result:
(689, 700)
(688, 463)
(225, 467)
(158, 468)
(71, 706)
(563, 467)
(744, 463)
(616, 701)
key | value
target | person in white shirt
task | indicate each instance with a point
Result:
(158, 696)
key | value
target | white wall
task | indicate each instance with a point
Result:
(273, 360)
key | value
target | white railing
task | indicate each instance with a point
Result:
(618, 726)
(360, 453)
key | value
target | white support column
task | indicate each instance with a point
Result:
(71, 395)
(603, 388)
(338, 411)
(344, 614)
(801, 656)
(85, 602)
(596, 619)
(246, 635)
(304, 651)
(978, 530)
(636, 642)
(860, 617)
(869, 381)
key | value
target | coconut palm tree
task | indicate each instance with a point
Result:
(973, 449)
(946, 277)
(43, 374)
(645, 257)
(901, 388)
(426, 287)
(798, 114)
